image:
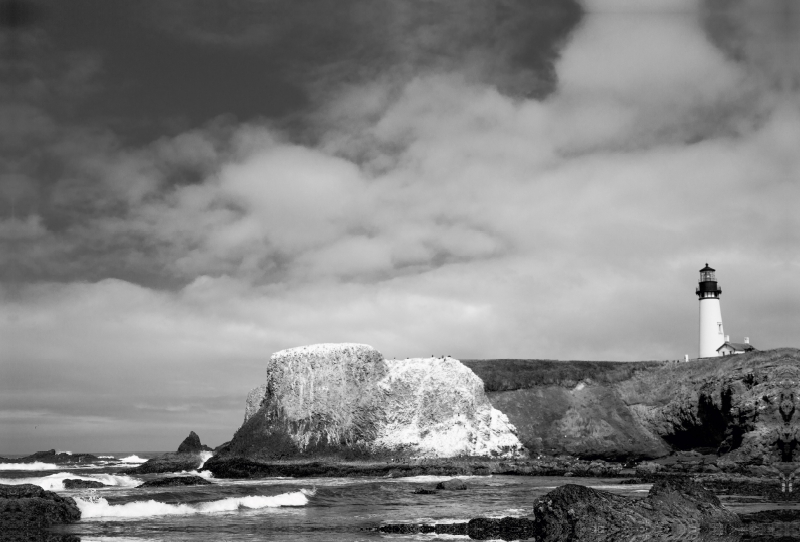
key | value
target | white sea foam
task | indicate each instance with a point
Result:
(205, 456)
(29, 466)
(207, 474)
(106, 457)
(64, 452)
(139, 509)
(132, 459)
(55, 482)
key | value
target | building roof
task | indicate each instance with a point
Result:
(743, 347)
(707, 268)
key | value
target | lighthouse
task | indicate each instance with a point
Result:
(711, 333)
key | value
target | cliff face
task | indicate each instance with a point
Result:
(735, 406)
(346, 401)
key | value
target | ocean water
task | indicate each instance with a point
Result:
(282, 509)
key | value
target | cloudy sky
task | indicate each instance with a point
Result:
(187, 187)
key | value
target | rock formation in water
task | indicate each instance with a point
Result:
(51, 456)
(346, 401)
(26, 508)
(192, 445)
(77, 483)
(191, 455)
(729, 406)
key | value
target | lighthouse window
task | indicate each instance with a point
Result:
(719, 324)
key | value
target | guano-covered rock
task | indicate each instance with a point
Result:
(346, 401)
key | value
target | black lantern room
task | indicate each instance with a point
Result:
(708, 287)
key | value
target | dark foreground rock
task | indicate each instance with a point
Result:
(455, 483)
(456, 529)
(38, 535)
(176, 481)
(771, 516)
(424, 491)
(29, 507)
(192, 445)
(76, 483)
(507, 528)
(573, 512)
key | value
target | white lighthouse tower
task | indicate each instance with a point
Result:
(711, 333)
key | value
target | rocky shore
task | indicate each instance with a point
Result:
(25, 508)
(673, 509)
(237, 467)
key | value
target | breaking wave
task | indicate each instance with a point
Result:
(29, 466)
(139, 509)
(207, 474)
(55, 482)
(132, 459)
(205, 456)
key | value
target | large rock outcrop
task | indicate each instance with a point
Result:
(346, 401)
(28, 507)
(192, 445)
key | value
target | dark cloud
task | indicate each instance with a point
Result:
(764, 35)
(508, 180)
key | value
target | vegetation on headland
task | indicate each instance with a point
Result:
(516, 374)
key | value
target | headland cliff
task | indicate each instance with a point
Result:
(729, 406)
(346, 402)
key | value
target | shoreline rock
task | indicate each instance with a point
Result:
(672, 510)
(28, 507)
(675, 506)
(77, 483)
(451, 485)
